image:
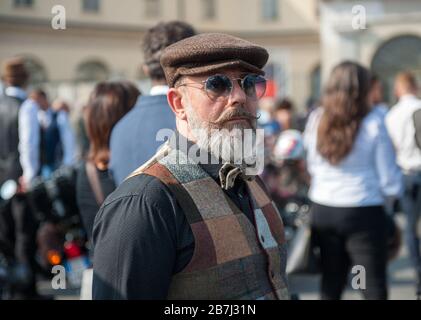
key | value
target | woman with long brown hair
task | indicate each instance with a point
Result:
(353, 170)
(108, 103)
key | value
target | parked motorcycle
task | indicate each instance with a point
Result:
(12, 274)
(61, 238)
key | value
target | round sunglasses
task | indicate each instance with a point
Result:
(220, 85)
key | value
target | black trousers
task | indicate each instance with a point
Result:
(18, 228)
(350, 237)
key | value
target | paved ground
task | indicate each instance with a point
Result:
(44, 288)
(401, 284)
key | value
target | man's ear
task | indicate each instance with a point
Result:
(174, 98)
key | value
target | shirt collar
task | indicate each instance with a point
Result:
(159, 90)
(211, 167)
(408, 96)
(16, 92)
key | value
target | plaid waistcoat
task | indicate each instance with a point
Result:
(232, 259)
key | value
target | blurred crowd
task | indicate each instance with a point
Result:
(358, 162)
(352, 157)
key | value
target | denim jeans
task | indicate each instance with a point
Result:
(411, 206)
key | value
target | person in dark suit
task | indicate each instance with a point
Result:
(134, 137)
(18, 225)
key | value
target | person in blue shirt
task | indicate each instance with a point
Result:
(134, 138)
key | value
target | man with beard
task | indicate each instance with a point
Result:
(195, 221)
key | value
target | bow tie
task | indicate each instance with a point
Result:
(229, 173)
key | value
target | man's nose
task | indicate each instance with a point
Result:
(237, 94)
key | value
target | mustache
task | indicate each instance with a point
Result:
(232, 113)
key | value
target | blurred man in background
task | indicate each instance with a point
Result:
(400, 125)
(60, 105)
(29, 140)
(14, 76)
(47, 138)
(133, 139)
(17, 224)
(376, 96)
(284, 114)
(56, 139)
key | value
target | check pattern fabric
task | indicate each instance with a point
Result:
(232, 259)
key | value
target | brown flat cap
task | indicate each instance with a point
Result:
(208, 52)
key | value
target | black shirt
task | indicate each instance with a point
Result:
(142, 237)
(85, 197)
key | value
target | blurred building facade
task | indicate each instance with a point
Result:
(305, 38)
(102, 38)
(387, 40)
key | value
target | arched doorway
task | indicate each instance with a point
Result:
(401, 53)
(92, 71)
(36, 70)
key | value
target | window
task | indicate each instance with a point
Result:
(92, 71)
(37, 72)
(152, 8)
(209, 9)
(23, 3)
(270, 10)
(91, 5)
(401, 53)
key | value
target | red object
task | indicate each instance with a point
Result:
(270, 88)
(72, 250)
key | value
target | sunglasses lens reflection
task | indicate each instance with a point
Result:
(259, 86)
(221, 86)
(254, 86)
(218, 85)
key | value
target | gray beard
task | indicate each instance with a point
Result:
(235, 145)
